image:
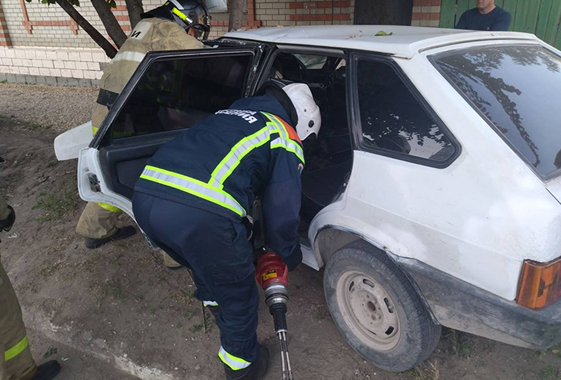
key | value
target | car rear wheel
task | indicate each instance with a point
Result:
(377, 309)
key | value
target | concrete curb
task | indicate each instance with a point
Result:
(86, 343)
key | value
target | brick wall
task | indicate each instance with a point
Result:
(63, 66)
(50, 26)
(304, 12)
(40, 43)
(426, 13)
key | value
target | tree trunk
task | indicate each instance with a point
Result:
(88, 28)
(110, 22)
(134, 7)
(235, 8)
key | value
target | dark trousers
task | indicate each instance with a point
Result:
(221, 258)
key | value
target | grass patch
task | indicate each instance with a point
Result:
(321, 315)
(428, 371)
(115, 289)
(89, 264)
(34, 126)
(549, 372)
(189, 314)
(459, 343)
(50, 270)
(50, 352)
(196, 328)
(55, 205)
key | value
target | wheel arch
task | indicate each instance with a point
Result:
(331, 238)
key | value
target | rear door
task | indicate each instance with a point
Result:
(169, 92)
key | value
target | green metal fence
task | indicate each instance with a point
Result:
(540, 17)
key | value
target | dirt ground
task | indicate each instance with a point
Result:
(118, 309)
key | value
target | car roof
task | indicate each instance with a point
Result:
(404, 41)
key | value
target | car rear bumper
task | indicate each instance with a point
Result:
(462, 306)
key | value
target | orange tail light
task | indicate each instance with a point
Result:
(540, 285)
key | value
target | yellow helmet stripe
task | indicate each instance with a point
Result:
(181, 15)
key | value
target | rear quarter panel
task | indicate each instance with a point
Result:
(477, 219)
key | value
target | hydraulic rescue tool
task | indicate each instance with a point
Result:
(271, 273)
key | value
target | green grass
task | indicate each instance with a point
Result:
(460, 344)
(425, 371)
(50, 270)
(115, 289)
(55, 205)
(549, 372)
(50, 351)
(34, 126)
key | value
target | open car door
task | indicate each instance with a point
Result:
(168, 93)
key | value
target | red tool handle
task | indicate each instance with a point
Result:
(270, 269)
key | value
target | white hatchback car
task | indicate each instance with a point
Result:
(432, 195)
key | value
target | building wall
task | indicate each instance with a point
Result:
(426, 12)
(273, 13)
(51, 34)
(58, 52)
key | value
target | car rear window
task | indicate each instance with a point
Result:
(394, 121)
(518, 89)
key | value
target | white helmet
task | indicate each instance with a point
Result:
(309, 115)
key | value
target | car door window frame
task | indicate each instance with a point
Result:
(293, 49)
(355, 57)
(103, 136)
(299, 49)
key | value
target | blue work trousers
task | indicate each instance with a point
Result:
(221, 258)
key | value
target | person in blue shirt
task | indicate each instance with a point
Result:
(195, 192)
(485, 16)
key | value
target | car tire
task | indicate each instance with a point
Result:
(377, 309)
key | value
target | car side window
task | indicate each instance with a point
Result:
(176, 93)
(393, 120)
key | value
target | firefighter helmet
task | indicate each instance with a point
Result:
(309, 114)
(298, 101)
(186, 13)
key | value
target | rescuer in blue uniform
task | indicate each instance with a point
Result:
(485, 16)
(195, 191)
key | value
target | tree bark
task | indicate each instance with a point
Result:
(88, 28)
(110, 22)
(235, 8)
(134, 7)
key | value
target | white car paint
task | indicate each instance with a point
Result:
(69, 143)
(88, 166)
(477, 219)
(405, 41)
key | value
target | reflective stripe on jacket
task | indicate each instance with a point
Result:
(222, 163)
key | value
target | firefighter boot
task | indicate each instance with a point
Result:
(122, 233)
(47, 371)
(256, 371)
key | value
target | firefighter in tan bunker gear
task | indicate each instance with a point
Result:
(16, 362)
(176, 25)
